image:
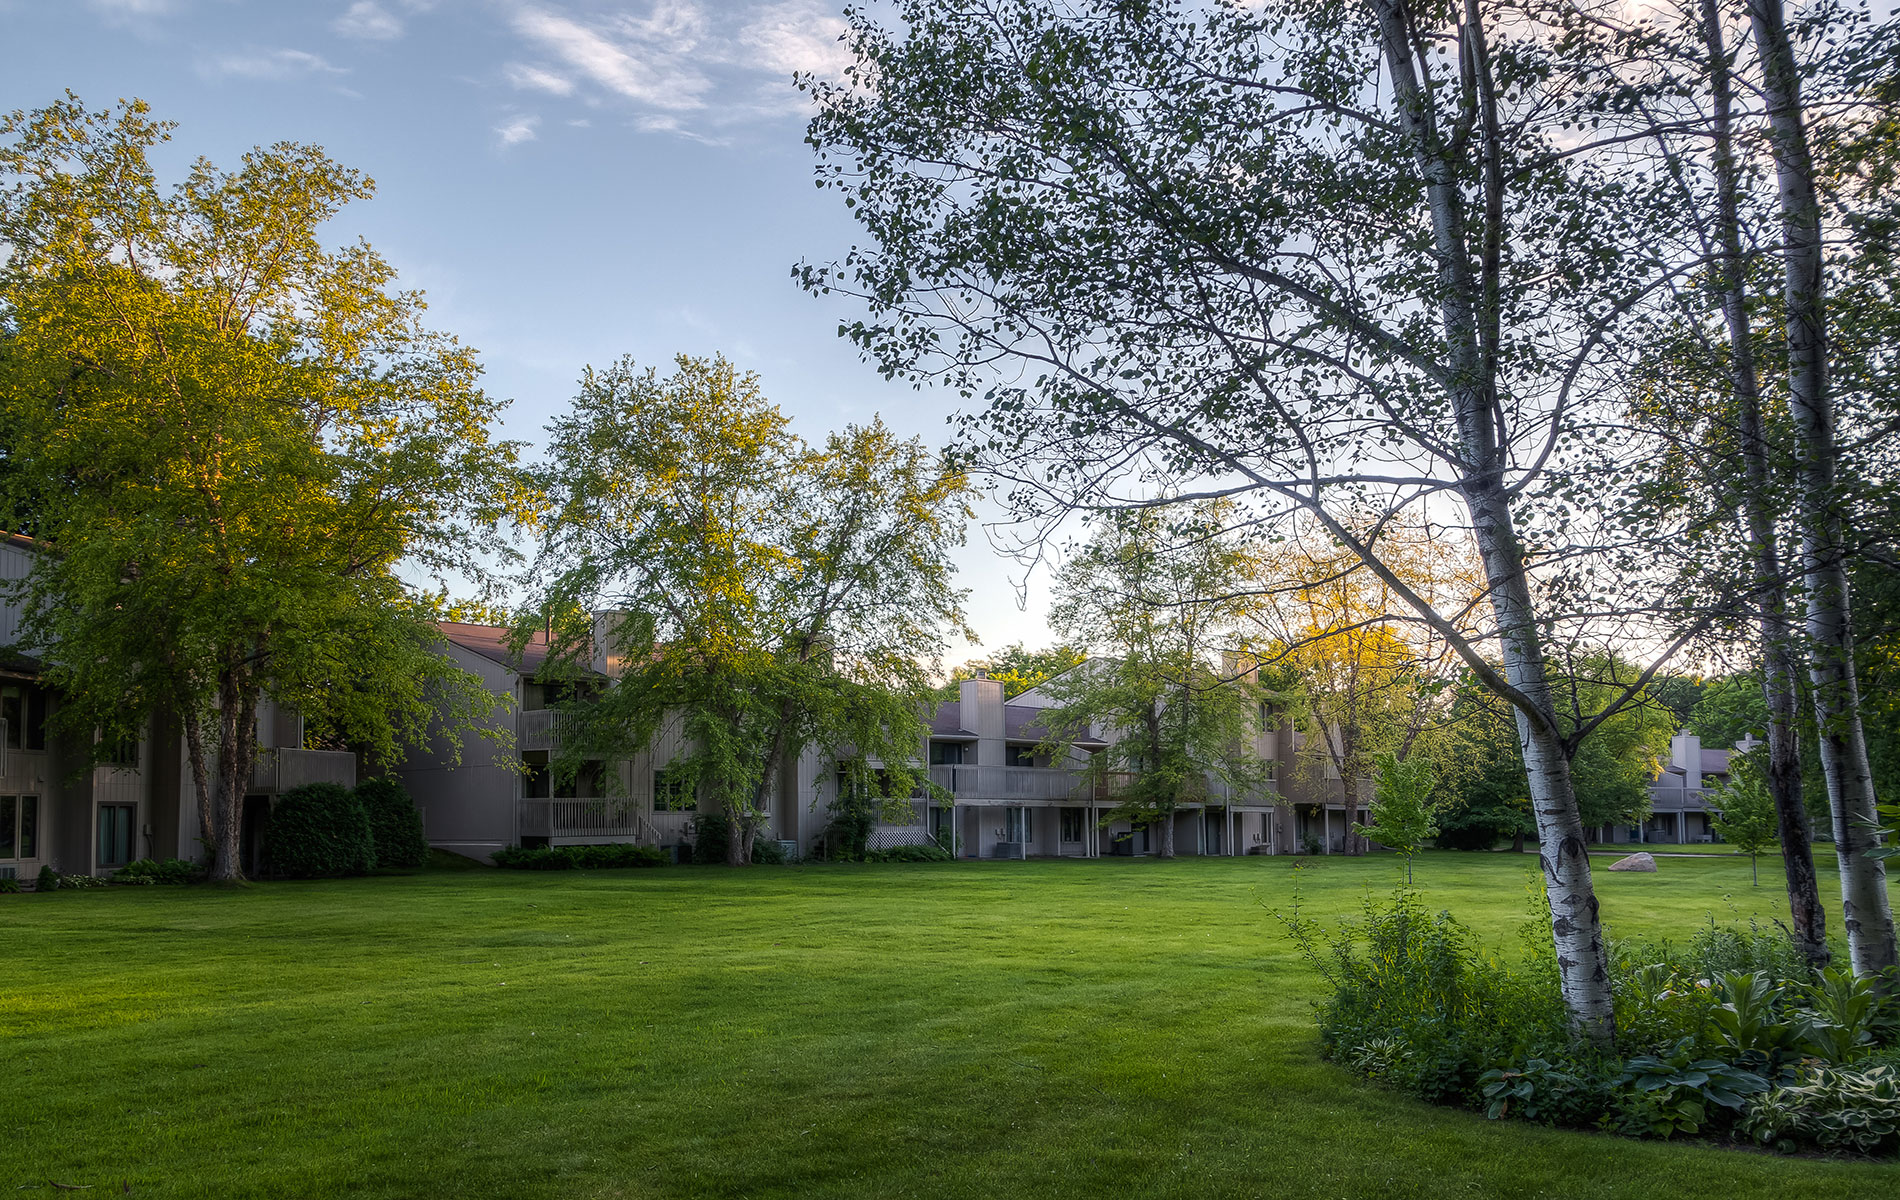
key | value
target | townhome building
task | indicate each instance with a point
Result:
(1684, 795)
(998, 791)
(61, 808)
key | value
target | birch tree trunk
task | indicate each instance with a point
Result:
(1467, 311)
(1777, 635)
(1865, 910)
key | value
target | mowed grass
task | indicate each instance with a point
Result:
(1105, 1028)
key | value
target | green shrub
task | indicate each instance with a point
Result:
(171, 872)
(394, 824)
(1402, 977)
(77, 882)
(9, 886)
(611, 856)
(1855, 1109)
(48, 880)
(317, 831)
(712, 838)
(1709, 1029)
(928, 852)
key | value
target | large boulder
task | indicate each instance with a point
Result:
(1635, 862)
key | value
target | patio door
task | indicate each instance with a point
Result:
(1017, 824)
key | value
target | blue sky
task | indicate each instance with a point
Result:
(568, 182)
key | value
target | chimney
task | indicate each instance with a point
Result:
(1685, 752)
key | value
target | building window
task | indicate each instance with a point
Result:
(123, 752)
(23, 711)
(1021, 756)
(946, 754)
(534, 774)
(1071, 824)
(673, 792)
(9, 828)
(116, 823)
(29, 826)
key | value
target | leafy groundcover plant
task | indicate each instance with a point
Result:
(1731, 1037)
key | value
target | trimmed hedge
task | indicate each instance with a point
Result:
(317, 831)
(394, 824)
(173, 872)
(919, 852)
(575, 858)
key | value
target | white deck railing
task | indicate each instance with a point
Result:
(280, 769)
(568, 816)
(538, 729)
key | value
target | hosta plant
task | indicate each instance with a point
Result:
(1832, 1109)
(1676, 1092)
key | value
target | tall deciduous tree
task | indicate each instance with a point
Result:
(770, 595)
(1372, 678)
(1341, 259)
(1157, 598)
(1866, 911)
(247, 432)
(1017, 667)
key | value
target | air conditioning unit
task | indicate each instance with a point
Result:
(789, 849)
(9, 873)
(1012, 850)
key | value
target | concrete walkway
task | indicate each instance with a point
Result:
(1664, 853)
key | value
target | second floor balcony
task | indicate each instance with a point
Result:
(1010, 783)
(282, 768)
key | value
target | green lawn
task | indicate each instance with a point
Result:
(1114, 1027)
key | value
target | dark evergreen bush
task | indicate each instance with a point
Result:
(319, 830)
(394, 823)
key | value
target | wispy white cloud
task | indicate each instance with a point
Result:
(648, 62)
(796, 36)
(369, 22)
(517, 129)
(680, 65)
(134, 9)
(540, 79)
(270, 65)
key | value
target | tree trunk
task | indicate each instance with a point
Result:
(1865, 910)
(1467, 311)
(1167, 834)
(201, 782)
(1350, 785)
(1759, 510)
(237, 747)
